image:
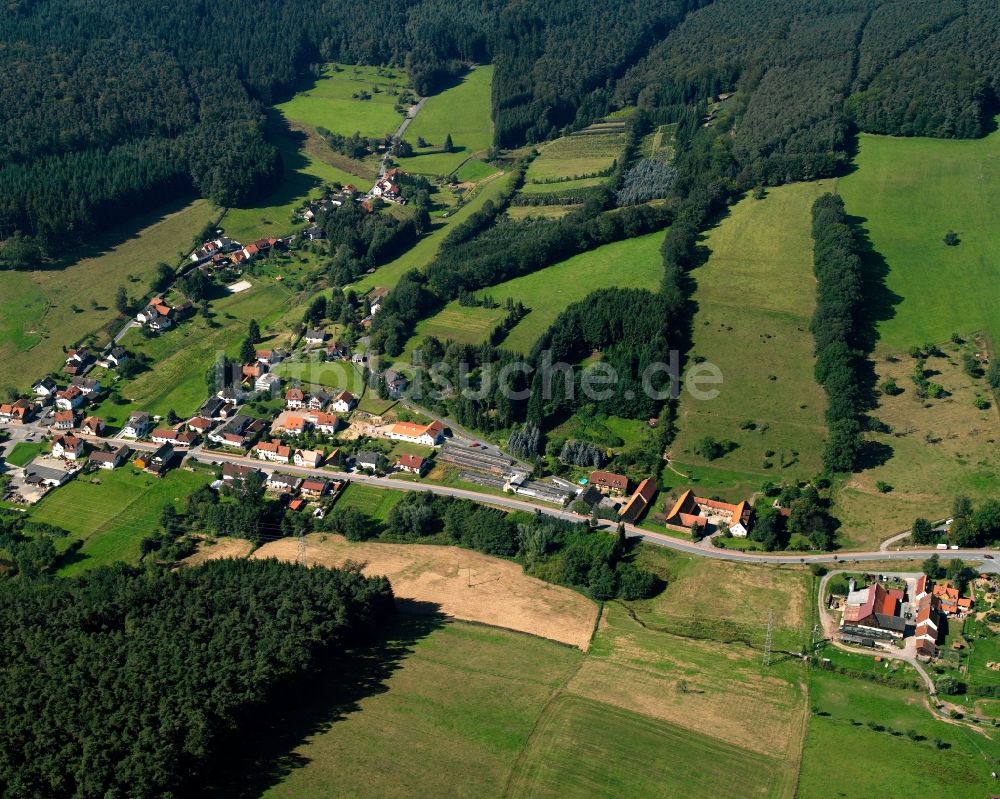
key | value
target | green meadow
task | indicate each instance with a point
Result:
(908, 193)
(373, 501)
(22, 453)
(755, 298)
(631, 263)
(571, 162)
(42, 311)
(463, 111)
(112, 511)
(331, 102)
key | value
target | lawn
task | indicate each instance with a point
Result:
(328, 374)
(755, 298)
(872, 762)
(373, 501)
(578, 157)
(474, 170)
(632, 263)
(586, 748)
(330, 103)
(43, 311)
(425, 250)
(113, 511)
(23, 451)
(463, 111)
(909, 192)
(460, 323)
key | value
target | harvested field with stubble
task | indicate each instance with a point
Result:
(500, 593)
(219, 549)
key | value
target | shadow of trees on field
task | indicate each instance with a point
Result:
(261, 753)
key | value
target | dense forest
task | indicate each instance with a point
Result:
(114, 107)
(125, 682)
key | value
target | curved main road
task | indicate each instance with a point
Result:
(632, 531)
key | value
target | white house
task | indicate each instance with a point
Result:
(69, 398)
(68, 447)
(427, 434)
(739, 530)
(283, 482)
(45, 387)
(295, 398)
(315, 336)
(137, 425)
(268, 383)
(308, 458)
(273, 451)
(325, 422)
(344, 402)
(109, 458)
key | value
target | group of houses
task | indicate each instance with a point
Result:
(878, 616)
(608, 494)
(298, 490)
(711, 515)
(387, 187)
(158, 315)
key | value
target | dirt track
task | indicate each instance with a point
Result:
(500, 593)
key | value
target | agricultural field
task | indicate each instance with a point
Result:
(375, 502)
(44, 310)
(518, 212)
(460, 583)
(755, 298)
(907, 194)
(892, 733)
(938, 449)
(632, 263)
(112, 511)
(425, 250)
(573, 161)
(331, 101)
(463, 111)
(455, 322)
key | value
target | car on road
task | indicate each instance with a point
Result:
(988, 557)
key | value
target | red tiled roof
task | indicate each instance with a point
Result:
(609, 480)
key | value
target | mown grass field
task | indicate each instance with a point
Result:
(632, 263)
(329, 102)
(939, 448)
(112, 511)
(37, 316)
(870, 762)
(455, 322)
(540, 211)
(375, 502)
(755, 298)
(463, 111)
(425, 250)
(909, 192)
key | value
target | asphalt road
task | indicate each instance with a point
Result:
(704, 550)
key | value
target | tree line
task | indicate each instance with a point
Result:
(835, 327)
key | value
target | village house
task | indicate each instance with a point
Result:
(295, 398)
(45, 387)
(640, 501)
(20, 410)
(163, 435)
(690, 510)
(137, 425)
(950, 601)
(413, 464)
(376, 298)
(255, 370)
(87, 385)
(308, 458)
(325, 422)
(68, 447)
(318, 400)
(366, 460)
(156, 462)
(296, 504)
(427, 434)
(234, 473)
(200, 424)
(315, 336)
(395, 383)
(212, 408)
(78, 361)
(609, 482)
(239, 432)
(92, 426)
(109, 458)
(157, 315)
(268, 383)
(314, 487)
(114, 357)
(283, 483)
(273, 451)
(343, 402)
(295, 425)
(64, 420)
(337, 350)
(69, 398)
(270, 357)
